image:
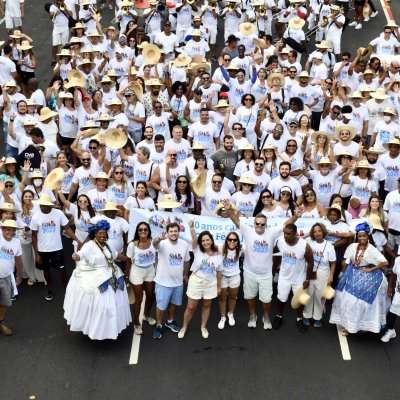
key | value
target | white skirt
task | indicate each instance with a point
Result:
(98, 315)
(395, 307)
(357, 315)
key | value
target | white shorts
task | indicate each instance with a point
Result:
(334, 43)
(212, 35)
(284, 289)
(60, 38)
(139, 275)
(13, 22)
(181, 34)
(254, 285)
(199, 288)
(230, 281)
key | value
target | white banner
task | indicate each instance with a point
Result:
(219, 227)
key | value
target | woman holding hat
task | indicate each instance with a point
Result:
(27, 64)
(183, 193)
(361, 301)
(323, 273)
(96, 301)
(63, 65)
(245, 200)
(205, 280)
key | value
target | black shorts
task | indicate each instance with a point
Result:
(66, 141)
(359, 3)
(25, 76)
(53, 259)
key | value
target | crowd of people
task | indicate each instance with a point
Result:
(153, 113)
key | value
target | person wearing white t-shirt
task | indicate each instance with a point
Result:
(341, 69)
(46, 227)
(231, 18)
(319, 71)
(60, 28)
(196, 45)
(167, 41)
(387, 43)
(385, 130)
(153, 19)
(392, 207)
(284, 179)
(13, 12)
(391, 164)
(8, 69)
(180, 145)
(334, 30)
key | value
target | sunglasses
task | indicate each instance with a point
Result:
(85, 159)
(217, 182)
(128, 95)
(92, 148)
(9, 186)
(259, 224)
(118, 173)
(237, 129)
(143, 230)
(248, 99)
(309, 194)
(267, 196)
(258, 164)
(335, 112)
(285, 194)
(292, 145)
(173, 155)
(182, 182)
(232, 240)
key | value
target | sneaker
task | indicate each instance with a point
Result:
(301, 326)
(173, 326)
(30, 282)
(354, 23)
(204, 333)
(221, 323)
(137, 329)
(306, 321)
(181, 333)
(374, 14)
(277, 322)
(231, 319)
(151, 321)
(366, 19)
(49, 296)
(6, 331)
(252, 321)
(390, 334)
(359, 26)
(318, 323)
(267, 323)
(157, 334)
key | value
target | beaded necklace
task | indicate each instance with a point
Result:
(110, 260)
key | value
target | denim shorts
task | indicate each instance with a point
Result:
(166, 295)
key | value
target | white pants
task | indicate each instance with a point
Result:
(181, 33)
(320, 34)
(13, 22)
(212, 35)
(315, 308)
(60, 38)
(28, 264)
(334, 43)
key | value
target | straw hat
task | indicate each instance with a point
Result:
(64, 53)
(195, 66)
(86, 61)
(380, 94)
(151, 54)
(247, 147)
(374, 150)
(247, 28)
(10, 160)
(94, 34)
(66, 95)
(343, 153)
(17, 34)
(182, 60)
(143, 45)
(8, 207)
(220, 207)
(112, 74)
(247, 179)
(376, 222)
(107, 79)
(75, 79)
(368, 71)
(103, 175)
(328, 292)
(338, 129)
(389, 110)
(323, 160)
(24, 45)
(276, 75)
(10, 223)
(134, 71)
(75, 39)
(78, 25)
(390, 24)
(115, 138)
(259, 43)
(110, 206)
(168, 202)
(29, 122)
(53, 179)
(392, 141)
(356, 95)
(199, 184)
(285, 50)
(303, 74)
(268, 146)
(86, 50)
(334, 7)
(137, 89)
(367, 88)
(296, 23)
(12, 83)
(196, 32)
(366, 52)
(105, 118)
(323, 45)
(114, 102)
(153, 82)
(300, 298)
(364, 164)
(46, 113)
(334, 207)
(44, 200)
(232, 67)
(222, 103)
(197, 146)
(314, 136)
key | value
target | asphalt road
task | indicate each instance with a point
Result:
(45, 359)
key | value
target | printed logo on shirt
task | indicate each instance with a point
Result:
(245, 206)
(289, 258)
(203, 136)
(141, 175)
(175, 260)
(396, 207)
(85, 181)
(146, 258)
(318, 256)
(384, 136)
(48, 227)
(118, 193)
(6, 254)
(362, 191)
(325, 187)
(159, 127)
(392, 170)
(207, 267)
(229, 262)
(99, 204)
(260, 246)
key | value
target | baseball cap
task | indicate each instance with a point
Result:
(293, 122)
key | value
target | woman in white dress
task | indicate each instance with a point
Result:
(96, 301)
(361, 301)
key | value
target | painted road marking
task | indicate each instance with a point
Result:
(2, 20)
(344, 346)
(134, 357)
(387, 10)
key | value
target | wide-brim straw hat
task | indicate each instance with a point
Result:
(94, 34)
(364, 164)
(112, 74)
(314, 136)
(8, 207)
(232, 67)
(86, 61)
(115, 138)
(391, 24)
(46, 113)
(137, 88)
(154, 82)
(143, 45)
(260, 43)
(220, 207)
(366, 52)
(323, 160)
(374, 150)
(197, 146)
(296, 23)
(343, 153)
(114, 102)
(368, 71)
(182, 60)
(303, 74)
(247, 179)
(268, 146)
(380, 94)
(64, 53)
(323, 45)
(66, 95)
(247, 28)
(44, 200)
(12, 83)
(300, 298)
(196, 66)
(53, 179)
(168, 202)
(78, 25)
(75, 39)
(389, 110)
(24, 46)
(222, 103)
(107, 79)
(110, 206)
(275, 75)
(75, 79)
(328, 293)
(376, 222)
(105, 118)
(17, 34)
(7, 161)
(391, 141)
(10, 223)
(103, 175)
(247, 147)
(356, 95)
(338, 129)
(199, 184)
(151, 54)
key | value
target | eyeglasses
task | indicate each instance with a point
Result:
(173, 155)
(291, 145)
(206, 78)
(182, 182)
(309, 194)
(259, 224)
(345, 59)
(259, 164)
(157, 106)
(118, 173)
(285, 194)
(106, 83)
(85, 159)
(92, 148)
(246, 184)
(83, 202)
(143, 230)
(128, 95)
(9, 186)
(217, 182)
(388, 32)
(227, 59)
(292, 72)
(232, 240)
(336, 112)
